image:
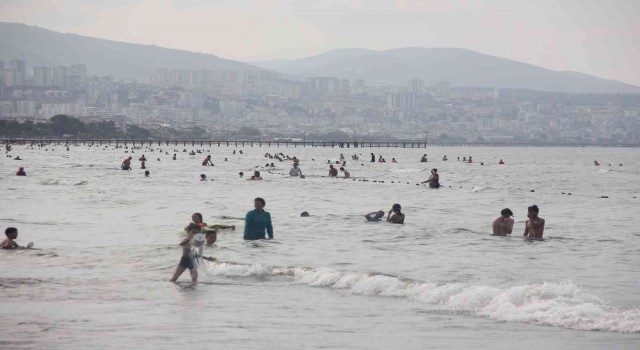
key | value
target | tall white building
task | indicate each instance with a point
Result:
(42, 76)
(60, 77)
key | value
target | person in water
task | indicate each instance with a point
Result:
(203, 177)
(373, 158)
(256, 176)
(147, 173)
(501, 162)
(207, 161)
(374, 215)
(21, 172)
(423, 159)
(595, 162)
(534, 227)
(295, 171)
(257, 221)
(186, 261)
(345, 172)
(10, 241)
(503, 225)
(445, 158)
(126, 164)
(434, 179)
(395, 215)
(333, 172)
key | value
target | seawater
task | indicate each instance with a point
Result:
(108, 244)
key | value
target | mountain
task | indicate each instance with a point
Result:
(42, 47)
(459, 67)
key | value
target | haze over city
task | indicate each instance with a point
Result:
(594, 37)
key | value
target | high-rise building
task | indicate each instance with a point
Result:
(416, 86)
(60, 77)
(42, 76)
(1, 65)
(76, 78)
(441, 90)
(359, 87)
(18, 66)
(400, 100)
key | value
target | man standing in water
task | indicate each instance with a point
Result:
(207, 161)
(126, 164)
(295, 171)
(257, 221)
(534, 228)
(395, 215)
(503, 225)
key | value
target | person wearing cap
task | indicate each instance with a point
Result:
(503, 225)
(395, 215)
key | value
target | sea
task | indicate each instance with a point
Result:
(107, 243)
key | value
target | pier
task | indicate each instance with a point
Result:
(290, 143)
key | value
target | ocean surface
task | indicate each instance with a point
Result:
(108, 239)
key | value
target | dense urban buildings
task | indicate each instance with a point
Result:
(220, 102)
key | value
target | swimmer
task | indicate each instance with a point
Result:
(142, 166)
(147, 173)
(126, 164)
(256, 176)
(595, 162)
(345, 172)
(501, 161)
(470, 161)
(9, 242)
(21, 172)
(503, 225)
(203, 177)
(395, 215)
(393, 160)
(174, 156)
(304, 214)
(142, 159)
(207, 161)
(374, 216)
(17, 158)
(187, 259)
(295, 171)
(434, 179)
(445, 158)
(241, 174)
(423, 159)
(373, 158)
(534, 227)
(333, 172)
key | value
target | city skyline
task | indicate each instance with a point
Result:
(589, 36)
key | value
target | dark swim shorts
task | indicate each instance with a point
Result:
(186, 262)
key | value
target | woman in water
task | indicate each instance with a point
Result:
(434, 179)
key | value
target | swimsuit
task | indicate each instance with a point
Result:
(186, 262)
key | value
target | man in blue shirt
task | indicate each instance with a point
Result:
(257, 221)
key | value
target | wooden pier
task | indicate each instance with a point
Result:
(288, 143)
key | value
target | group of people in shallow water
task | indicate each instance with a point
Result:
(533, 228)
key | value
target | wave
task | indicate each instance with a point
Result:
(52, 182)
(547, 304)
(407, 170)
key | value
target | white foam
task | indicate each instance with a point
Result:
(549, 304)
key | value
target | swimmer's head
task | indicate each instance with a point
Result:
(241, 174)
(396, 207)
(533, 209)
(341, 169)
(379, 213)
(11, 232)
(203, 176)
(506, 212)
(196, 218)
(147, 173)
(304, 214)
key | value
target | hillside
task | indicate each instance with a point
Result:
(459, 67)
(42, 47)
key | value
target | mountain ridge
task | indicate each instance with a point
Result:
(43, 47)
(460, 67)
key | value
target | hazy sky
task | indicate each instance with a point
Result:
(599, 37)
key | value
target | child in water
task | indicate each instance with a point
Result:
(187, 259)
(375, 216)
(9, 242)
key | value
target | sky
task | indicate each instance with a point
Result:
(597, 37)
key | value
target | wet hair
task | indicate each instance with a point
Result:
(256, 173)
(10, 230)
(258, 199)
(396, 206)
(198, 215)
(506, 211)
(534, 208)
(210, 232)
(147, 172)
(434, 170)
(241, 173)
(202, 176)
(192, 226)
(304, 214)
(341, 168)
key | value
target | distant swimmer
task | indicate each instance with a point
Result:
(373, 158)
(355, 157)
(203, 177)
(241, 174)
(393, 160)
(501, 161)
(395, 215)
(187, 259)
(295, 171)
(126, 164)
(341, 157)
(174, 156)
(374, 216)
(503, 225)
(595, 162)
(345, 172)
(445, 158)
(142, 159)
(464, 159)
(10, 241)
(304, 214)
(147, 173)
(17, 158)
(423, 159)
(21, 172)
(207, 161)
(256, 176)
(257, 222)
(469, 161)
(534, 228)
(333, 172)
(142, 164)
(434, 179)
